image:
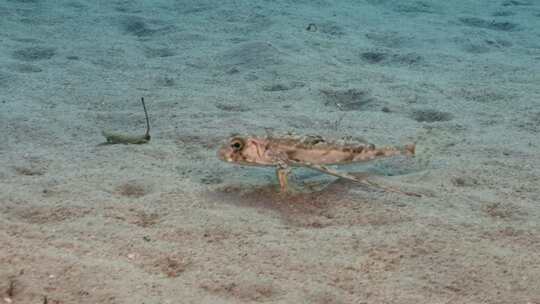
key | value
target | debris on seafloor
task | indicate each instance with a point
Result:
(118, 138)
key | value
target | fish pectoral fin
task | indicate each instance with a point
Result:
(335, 173)
(363, 181)
(389, 189)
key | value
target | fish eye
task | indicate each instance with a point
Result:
(236, 145)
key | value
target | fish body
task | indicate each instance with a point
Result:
(301, 151)
(310, 151)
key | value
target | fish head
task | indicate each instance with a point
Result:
(245, 151)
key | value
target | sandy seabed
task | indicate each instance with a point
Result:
(167, 222)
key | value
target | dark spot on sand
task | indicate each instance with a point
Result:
(244, 290)
(75, 5)
(211, 179)
(283, 86)
(126, 6)
(166, 81)
(500, 43)
(172, 267)
(276, 87)
(477, 45)
(373, 57)
(32, 167)
(464, 181)
(138, 26)
(132, 189)
(158, 52)
(193, 8)
(381, 57)
(389, 39)
(251, 77)
(48, 215)
(503, 14)
(232, 71)
(415, 7)
(347, 100)
(34, 53)
(516, 3)
(312, 27)
(430, 115)
(25, 1)
(232, 107)
(476, 48)
(4, 79)
(501, 211)
(531, 123)
(26, 68)
(326, 296)
(30, 170)
(483, 95)
(406, 59)
(145, 220)
(377, 2)
(491, 25)
(252, 55)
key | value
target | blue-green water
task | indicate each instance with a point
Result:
(168, 222)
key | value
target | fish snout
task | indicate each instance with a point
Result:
(224, 154)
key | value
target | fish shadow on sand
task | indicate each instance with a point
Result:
(336, 204)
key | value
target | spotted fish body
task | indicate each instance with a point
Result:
(312, 152)
(300, 151)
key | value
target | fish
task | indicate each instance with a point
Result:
(310, 151)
